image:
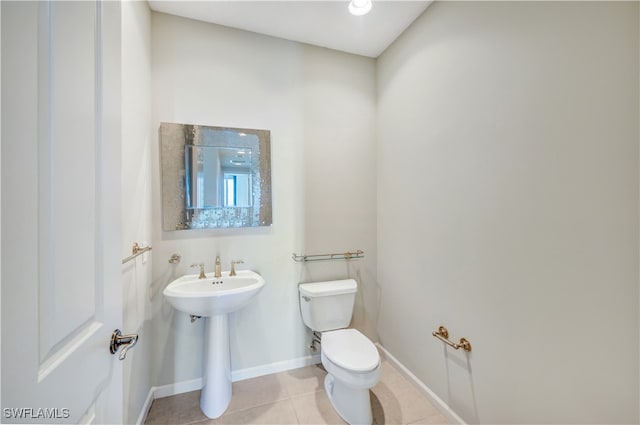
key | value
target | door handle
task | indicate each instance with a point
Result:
(117, 339)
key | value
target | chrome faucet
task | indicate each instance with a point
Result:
(201, 265)
(233, 266)
(218, 272)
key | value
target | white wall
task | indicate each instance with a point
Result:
(212, 75)
(136, 200)
(340, 173)
(0, 188)
(508, 208)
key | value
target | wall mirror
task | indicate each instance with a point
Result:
(214, 177)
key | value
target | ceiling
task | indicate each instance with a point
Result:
(325, 23)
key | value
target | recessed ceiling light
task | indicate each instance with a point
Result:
(359, 7)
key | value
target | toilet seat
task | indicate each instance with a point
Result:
(350, 350)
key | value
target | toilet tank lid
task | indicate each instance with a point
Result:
(332, 287)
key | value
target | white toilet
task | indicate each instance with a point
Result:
(350, 358)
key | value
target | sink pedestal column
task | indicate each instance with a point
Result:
(216, 392)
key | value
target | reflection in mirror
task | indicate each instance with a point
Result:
(214, 177)
(217, 176)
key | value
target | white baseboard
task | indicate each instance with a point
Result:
(166, 391)
(443, 407)
(177, 388)
(145, 407)
(236, 375)
(253, 372)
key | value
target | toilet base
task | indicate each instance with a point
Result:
(353, 405)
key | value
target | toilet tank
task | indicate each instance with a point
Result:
(327, 305)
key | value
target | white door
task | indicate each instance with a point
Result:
(61, 288)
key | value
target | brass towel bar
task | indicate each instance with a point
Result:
(326, 257)
(443, 335)
(135, 251)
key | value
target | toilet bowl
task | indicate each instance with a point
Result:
(351, 360)
(353, 366)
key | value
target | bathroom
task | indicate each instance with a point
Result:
(486, 163)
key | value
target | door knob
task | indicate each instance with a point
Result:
(117, 339)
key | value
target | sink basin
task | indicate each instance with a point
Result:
(213, 298)
(213, 295)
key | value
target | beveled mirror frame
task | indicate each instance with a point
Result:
(175, 214)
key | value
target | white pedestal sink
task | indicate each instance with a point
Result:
(214, 298)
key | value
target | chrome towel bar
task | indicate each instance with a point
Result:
(443, 335)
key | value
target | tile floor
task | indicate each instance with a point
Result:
(298, 397)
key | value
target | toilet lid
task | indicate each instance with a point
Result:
(351, 350)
